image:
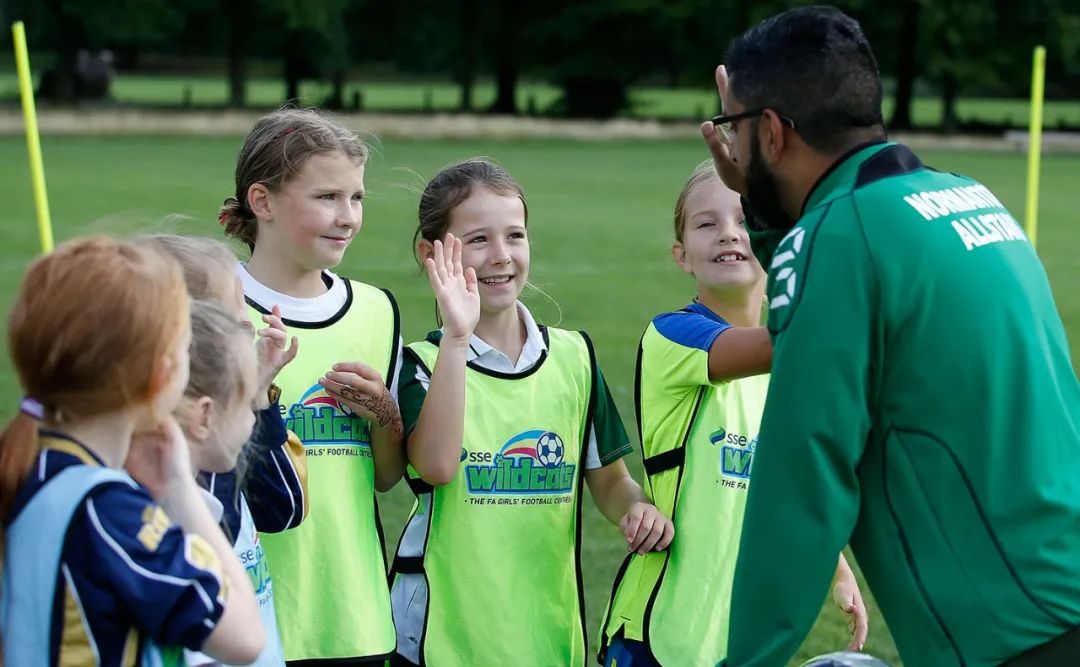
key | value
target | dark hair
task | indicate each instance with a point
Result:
(453, 185)
(275, 150)
(814, 65)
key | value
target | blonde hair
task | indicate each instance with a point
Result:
(703, 173)
(215, 370)
(208, 264)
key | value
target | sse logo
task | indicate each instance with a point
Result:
(531, 462)
(736, 453)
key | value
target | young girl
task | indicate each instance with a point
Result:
(210, 273)
(95, 569)
(298, 206)
(217, 420)
(505, 419)
(701, 385)
(266, 490)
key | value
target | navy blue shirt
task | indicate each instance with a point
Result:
(127, 573)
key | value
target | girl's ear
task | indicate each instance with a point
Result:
(259, 200)
(159, 376)
(196, 416)
(424, 249)
(678, 253)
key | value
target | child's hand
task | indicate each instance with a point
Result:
(361, 389)
(455, 289)
(273, 355)
(159, 460)
(848, 598)
(646, 528)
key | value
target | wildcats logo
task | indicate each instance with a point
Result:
(528, 463)
(318, 419)
(736, 453)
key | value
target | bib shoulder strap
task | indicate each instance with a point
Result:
(33, 546)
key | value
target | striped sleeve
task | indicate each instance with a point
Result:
(275, 483)
(413, 383)
(171, 581)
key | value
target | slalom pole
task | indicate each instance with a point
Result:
(1031, 210)
(33, 140)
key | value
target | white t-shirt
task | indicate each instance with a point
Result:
(313, 309)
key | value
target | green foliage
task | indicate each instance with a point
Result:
(595, 50)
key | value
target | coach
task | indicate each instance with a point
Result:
(923, 406)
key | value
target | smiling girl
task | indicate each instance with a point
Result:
(298, 206)
(506, 419)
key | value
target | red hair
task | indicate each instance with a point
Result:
(90, 325)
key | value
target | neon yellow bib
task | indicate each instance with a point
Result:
(501, 553)
(330, 587)
(677, 602)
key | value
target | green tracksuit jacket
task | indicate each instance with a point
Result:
(922, 406)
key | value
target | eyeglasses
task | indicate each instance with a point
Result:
(726, 124)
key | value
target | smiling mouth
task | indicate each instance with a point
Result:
(729, 257)
(496, 280)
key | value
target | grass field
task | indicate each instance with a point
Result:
(600, 233)
(652, 102)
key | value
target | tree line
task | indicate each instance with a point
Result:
(592, 50)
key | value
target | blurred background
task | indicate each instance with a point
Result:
(143, 105)
(951, 65)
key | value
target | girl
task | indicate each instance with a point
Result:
(505, 420)
(700, 391)
(268, 492)
(217, 420)
(210, 273)
(298, 206)
(95, 570)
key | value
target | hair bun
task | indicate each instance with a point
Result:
(230, 208)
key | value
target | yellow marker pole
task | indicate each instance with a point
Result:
(33, 141)
(1031, 211)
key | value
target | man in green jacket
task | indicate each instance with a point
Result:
(923, 406)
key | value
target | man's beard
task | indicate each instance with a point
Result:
(766, 212)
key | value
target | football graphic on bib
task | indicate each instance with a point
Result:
(549, 450)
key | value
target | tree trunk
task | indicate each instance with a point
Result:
(294, 67)
(238, 12)
(337, 93)
(467, 73)
(59, 83)
(949, 91)
(905, 70)
(506, 59)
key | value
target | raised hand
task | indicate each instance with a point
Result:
(271, 350)
(720, 144)
(455, 288)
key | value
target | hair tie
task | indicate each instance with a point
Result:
(226, 207)
(285, 132)
(32, 408)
